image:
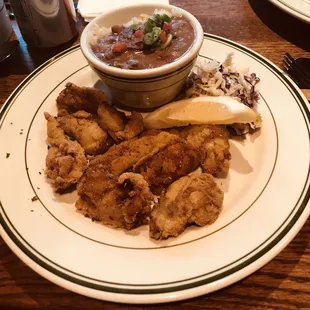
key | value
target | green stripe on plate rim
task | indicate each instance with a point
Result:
(302, 205)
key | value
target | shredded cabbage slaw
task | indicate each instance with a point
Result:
(223, 79)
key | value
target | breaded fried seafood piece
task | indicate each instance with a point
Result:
(89, 99)
(110, 118)
(194, 199)
(121, 127)
(74, 98)
(160, 159)
(65, 160)
(126, 204)
(122, 157)
(164, 165)
(133, 127)
(211, 141)
(82, 127)
(99, 195)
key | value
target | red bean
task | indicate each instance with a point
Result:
(117, 29)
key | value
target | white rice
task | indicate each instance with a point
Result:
(96, 33)
(136, 20)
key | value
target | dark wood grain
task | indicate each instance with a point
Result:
(284, 283)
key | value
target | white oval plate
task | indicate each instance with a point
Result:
(266, 196)
(296, 8)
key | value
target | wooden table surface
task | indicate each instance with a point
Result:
(284, 283)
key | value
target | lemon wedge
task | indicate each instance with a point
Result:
(200, 110)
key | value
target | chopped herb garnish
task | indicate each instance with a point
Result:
(156, 32)
(7, 155)
(151, 37)
(135, 27)
(156, 20)
(34, 198)
(165, 18)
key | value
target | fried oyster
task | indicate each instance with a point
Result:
(99, 183)
(211, 141)
(127, 203)
(65, 161)
(82, 127)
(129, 166)
(193, 199)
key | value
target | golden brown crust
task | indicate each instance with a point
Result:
(166, 165)
(74, 98)
(81, 126)
(133, 127)
(99, 185)
(193, 199)
(120, 126)
(211, 141)
(110, 118)
(126, 204)
(117, 187)
(65, 160)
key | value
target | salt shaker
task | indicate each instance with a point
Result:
(45, 23)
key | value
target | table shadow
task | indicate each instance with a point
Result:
(263, 283)
(26, 59)
(286, 26)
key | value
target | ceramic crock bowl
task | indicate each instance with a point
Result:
(146, 88)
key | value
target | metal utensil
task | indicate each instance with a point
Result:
(298, 69)
(8, 8)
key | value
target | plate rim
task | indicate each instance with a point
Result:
(276, 245)
(291, 10)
